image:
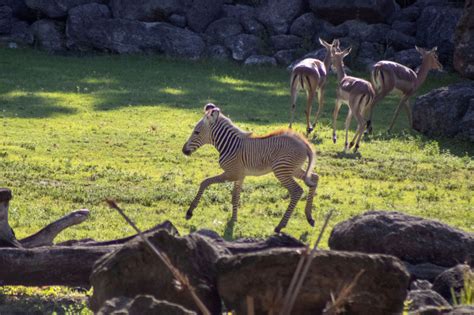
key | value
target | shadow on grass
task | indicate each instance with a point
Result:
(348, 155)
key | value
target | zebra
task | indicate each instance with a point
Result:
(242, 154)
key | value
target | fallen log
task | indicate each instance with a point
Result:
(52, 265)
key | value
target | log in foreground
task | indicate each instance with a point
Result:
(56, 265)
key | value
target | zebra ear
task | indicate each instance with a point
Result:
(212, 114)
(209, 106)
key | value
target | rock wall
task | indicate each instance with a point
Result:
(251, 32)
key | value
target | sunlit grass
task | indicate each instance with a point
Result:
(75, 131)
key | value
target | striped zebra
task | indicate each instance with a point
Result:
(282, 152)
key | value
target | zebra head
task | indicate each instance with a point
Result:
(202, 131)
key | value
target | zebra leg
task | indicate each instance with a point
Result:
(295, 192)
(236, 198)
(312, 191)
(204, 184)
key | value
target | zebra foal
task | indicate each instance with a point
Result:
(241, 154)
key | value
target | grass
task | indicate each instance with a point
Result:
(77, 130)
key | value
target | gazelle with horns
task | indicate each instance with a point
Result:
(310, 75)
(357, 93)
(388, 76)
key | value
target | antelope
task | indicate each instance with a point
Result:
(388, 76)
(242, 154)
(310, 75)
(357, 93)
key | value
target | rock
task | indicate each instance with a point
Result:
(285, 42)
(424, 271)
(49, 35)
(364, 32)
(177, 20)
(381, 289)
(218, 52)
(19, 9)
(5, 20)
(79, 22)
(141, 304)
(407, 28)
(338, 11)
(463, 58)
(467, 123)
(436, 27)
(224, 28)
(57, 8)
(202, 13)
(145, 10)
(408, 57)
(141, 272)
(400, 41)
(259, 60)
(21, 33)
(412, 239)
(238, 11)
(243, 45)
(286, 57)
(329, 32)
(408, 14)
(88, 27)
(252, 26)
(369, 54)
(277, 15)
(454, 279)
(420, 285)
(423, 298)
(441, 112)
(304, 26)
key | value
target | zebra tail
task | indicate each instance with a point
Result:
(312, 161)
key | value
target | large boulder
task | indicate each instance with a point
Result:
(90, 26)
(405, 27)
(338, 11)
(305, 25)
(421, 299)
(408, 57)
(19, 9)
(277, 15)
(286, 57)
(282, 42)
(436, 27)
(21, 33)
(463, 58)
(223, 28)
(49, 35)
(260, 60)
(452, 281)
(381, 288)
(412, 239)
(141, 304)
(5, 19)
(244, 45)
(145, 10)
(134, 269)
(202, 12)
(57, 8)
(447, 111)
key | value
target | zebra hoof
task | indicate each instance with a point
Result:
(351, 145)
(334, 138)
(309, 130)
(189, 215)
(311, 222)
(277, 229)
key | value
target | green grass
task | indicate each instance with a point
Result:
(77, 130)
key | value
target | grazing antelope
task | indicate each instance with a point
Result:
(310, 75)
(357, 93)
(388, 76)
(241, 154)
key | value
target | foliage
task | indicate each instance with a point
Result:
(466, 295)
